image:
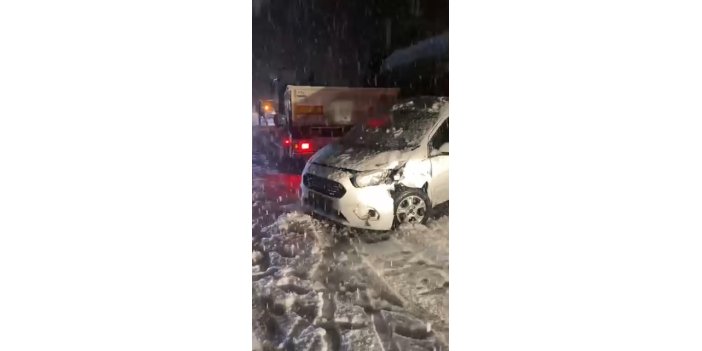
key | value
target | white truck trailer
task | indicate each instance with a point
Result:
(314, 116)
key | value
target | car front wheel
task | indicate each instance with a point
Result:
(412, 206)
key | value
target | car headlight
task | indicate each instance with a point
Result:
(371, 178)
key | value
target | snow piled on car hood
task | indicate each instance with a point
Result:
(358, 158)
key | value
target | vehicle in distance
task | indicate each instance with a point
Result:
(265, 110)
(383, 172)
(311, 117)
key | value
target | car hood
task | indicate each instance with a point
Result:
(358, 158)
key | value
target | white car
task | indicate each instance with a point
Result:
(385, 172)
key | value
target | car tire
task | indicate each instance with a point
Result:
(413, 203)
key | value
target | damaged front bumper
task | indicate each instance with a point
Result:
(369, 207)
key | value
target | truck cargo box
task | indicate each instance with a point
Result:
(336, 106)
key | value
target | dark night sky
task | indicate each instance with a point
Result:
(336, 42)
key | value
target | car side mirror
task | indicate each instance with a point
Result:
(444, 149)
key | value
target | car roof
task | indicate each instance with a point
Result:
(421, 102)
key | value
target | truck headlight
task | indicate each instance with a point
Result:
(371, 178)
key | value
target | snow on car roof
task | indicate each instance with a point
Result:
(411, 120)
(429, 103)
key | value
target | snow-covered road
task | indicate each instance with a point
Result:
(318, 286)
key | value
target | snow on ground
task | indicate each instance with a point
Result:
(317, 286)
(414, 263)
(314, 291)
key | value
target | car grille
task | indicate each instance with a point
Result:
(324, 185)
(324, 205)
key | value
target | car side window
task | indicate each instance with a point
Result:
(440, 137)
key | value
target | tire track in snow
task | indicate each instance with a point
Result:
(409, 273)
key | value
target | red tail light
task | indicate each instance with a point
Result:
(303, 147)
(286, 142)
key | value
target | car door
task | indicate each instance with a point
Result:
(439, 184)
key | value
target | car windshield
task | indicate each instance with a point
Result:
(403, 129)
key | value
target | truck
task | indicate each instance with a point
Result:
(310, 117)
